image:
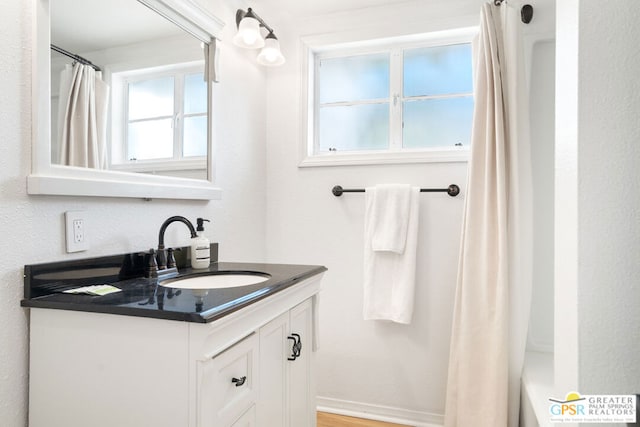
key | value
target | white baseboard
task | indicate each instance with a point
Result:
(379, 413)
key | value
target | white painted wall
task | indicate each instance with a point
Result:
(401, 368)
(542, 101)
(32, 227)
(597, 175)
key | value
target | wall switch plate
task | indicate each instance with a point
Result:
(76, 223)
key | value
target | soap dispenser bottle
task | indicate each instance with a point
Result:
(200, 256)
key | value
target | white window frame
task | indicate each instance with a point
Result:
(317, 48)
(119, 138)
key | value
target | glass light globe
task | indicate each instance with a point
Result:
(248, 35)
(270, 54)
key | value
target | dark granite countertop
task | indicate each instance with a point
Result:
(144, 297)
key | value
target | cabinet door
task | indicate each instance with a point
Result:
(227, 384)
(248, 419)
(287, 392)
(302, 399)
(272, 403)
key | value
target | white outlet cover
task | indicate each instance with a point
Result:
(72, 245)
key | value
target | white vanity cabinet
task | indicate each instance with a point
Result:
(105, 370)
(248, 419)
(287, 390)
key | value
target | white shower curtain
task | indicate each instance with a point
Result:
(82, 117)
(493, 293)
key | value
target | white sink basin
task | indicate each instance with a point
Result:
(216, 281)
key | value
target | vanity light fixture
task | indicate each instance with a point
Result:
(249, 37)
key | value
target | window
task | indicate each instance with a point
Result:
(394, 101)
(162, 119)
(437, 96)
(353, 103)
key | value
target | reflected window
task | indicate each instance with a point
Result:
(151, 117)
(393, 98)
(164, 116)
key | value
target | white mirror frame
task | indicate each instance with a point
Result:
(51, 179)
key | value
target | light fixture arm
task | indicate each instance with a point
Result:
(241, 14)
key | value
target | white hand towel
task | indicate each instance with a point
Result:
(389, 277)
(389, 216)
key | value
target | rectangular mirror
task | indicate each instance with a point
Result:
(122, 108)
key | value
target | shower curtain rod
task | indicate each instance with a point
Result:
(78, 58)
(526, 13)
(453, 190)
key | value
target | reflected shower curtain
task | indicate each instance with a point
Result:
(493, 293)
(82, 117)
(211, 62)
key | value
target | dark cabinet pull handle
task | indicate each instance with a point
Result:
(293, 352)
(239, 381)
(298, 345)
(296, 348)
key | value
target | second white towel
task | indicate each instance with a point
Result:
(388, 209)
(389, 275)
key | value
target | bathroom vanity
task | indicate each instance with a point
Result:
(158, 356)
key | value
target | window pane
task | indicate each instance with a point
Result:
(438, 70)
(358, 127)
(152, 139)
(195, 136)
(437, 122)
(195, 94)
(354, 78)
(151, 98)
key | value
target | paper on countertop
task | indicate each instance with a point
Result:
(97, 290)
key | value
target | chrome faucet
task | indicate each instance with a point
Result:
(164, 261)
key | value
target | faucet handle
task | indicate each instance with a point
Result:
(171, 260)
(161, 257)
(151, 269)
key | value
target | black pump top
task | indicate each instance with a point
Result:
(200, 226)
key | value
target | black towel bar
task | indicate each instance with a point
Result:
(452, 190)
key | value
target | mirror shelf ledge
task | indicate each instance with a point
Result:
(156, 187)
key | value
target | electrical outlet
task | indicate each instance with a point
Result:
(76, 231)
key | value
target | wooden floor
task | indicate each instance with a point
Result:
(333, 420)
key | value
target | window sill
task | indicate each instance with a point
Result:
(385, 158)
(161, 166)
(538, 384)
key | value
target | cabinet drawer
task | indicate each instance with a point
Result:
(227, 384)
